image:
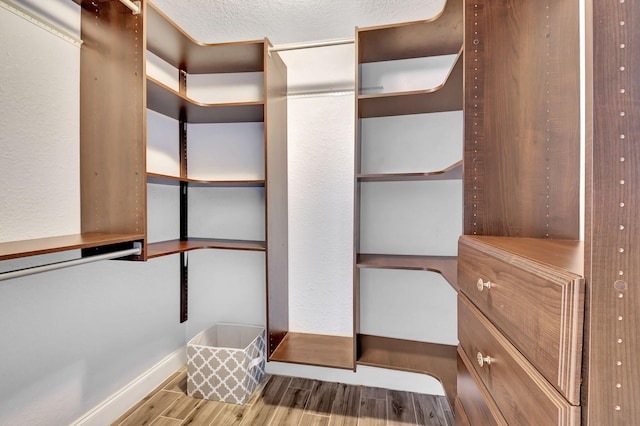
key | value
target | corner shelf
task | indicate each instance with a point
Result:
(447, 266)
(166, 101)
(165, 248)
(161, 179)
(445, 97)
(452, 172)
(166, 40)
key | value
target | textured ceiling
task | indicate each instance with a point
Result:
(290, 21)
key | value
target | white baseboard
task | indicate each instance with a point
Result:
(118, 403)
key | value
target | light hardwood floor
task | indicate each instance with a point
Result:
(281, 401)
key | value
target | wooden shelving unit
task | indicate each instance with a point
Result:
(439, 36)
(116, 94)
(170, 43)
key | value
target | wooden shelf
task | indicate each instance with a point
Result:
(316, 349)
(437, 360)
(161, 179)
(447, 266)
(24, 248)
(454, 172)
(441, 35)
(166, 40)
(447, 96)
(166, 101)
(165, 248)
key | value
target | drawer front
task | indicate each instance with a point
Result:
(523, 396)
(539, 310)
(477, 406)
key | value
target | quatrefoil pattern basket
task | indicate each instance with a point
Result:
(226, 362)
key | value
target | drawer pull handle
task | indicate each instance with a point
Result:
(482, 285)
(482, 360)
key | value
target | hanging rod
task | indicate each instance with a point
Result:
(40, 22)
(133, 5)
(311, 44)
(137, 249)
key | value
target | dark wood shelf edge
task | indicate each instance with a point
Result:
(316, 350)
(166, 101)
(448, 96)
(166, 248)
(447, 266)
(565, 256)
(160, 179)
(38, 246)
(433, 359)
(453, 172)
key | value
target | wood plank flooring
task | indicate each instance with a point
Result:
(284, 401)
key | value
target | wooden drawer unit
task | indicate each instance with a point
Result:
(537, 304)
(474, 405)
(523, 396)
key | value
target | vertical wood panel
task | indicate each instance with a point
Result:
(522, 145)
(112, 119)
(276, 198)
(612, 366)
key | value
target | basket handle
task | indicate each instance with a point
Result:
(256, 361)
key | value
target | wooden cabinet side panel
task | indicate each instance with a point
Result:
(612, 364)
(276, 198)
(522, 93)
(112, 120)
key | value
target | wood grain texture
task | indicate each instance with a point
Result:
(38, 246)
(315, 349)
(373, 411)
(522, 119)
(166, 101)
(346, 406)
(276, 195)
(446, 97)
(112, 121)
(522, 394)
(400, 409)
(538, 307)
(453, 172)
(281, 400)
(612, 364)
(171, 43)
(447, 266)
(433, 359)
(160, 179)
(429, 410)
(165, 248)
(440, 35)
(474, 405)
